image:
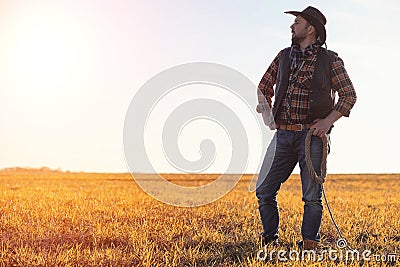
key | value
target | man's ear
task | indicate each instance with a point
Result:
(311, 29)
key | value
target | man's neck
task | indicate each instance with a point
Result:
(306, 43)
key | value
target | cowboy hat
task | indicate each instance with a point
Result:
(315, 18)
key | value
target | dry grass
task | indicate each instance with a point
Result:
(82, 219)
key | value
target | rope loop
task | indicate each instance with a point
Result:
(319, 179)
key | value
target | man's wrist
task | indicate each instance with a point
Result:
(333, 117)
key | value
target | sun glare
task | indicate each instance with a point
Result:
(43, 49)
(40, 57)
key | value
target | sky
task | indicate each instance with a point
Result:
(70, 69)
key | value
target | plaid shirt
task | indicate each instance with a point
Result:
(295, 104)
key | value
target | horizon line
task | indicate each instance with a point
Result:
(59, 170)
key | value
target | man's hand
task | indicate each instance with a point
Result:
(273, 126)
(267, 116)
(321, 127)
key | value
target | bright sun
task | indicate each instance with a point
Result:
(43, 49)
(41, 57)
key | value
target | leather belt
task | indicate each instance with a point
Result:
(294, 127)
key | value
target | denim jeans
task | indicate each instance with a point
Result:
(290, 150)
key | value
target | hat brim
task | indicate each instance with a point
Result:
(320, 28)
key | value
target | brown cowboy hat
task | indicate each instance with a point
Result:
(315, 18)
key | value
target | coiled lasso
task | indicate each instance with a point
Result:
(320, 179)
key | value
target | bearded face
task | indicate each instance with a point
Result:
(299, 30)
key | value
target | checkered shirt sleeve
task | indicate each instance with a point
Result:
(266, 85)
(342, 84)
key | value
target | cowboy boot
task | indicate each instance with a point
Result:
(308, 245)
(268, 240)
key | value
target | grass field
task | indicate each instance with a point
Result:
(50, 218)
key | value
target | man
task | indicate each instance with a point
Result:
(306, 77)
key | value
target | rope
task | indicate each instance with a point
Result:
(319, 179)
(341, 243)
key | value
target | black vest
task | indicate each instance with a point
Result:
(321, 96)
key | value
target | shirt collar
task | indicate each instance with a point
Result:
(309, 50)
(296, 55)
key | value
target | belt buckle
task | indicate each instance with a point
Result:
(302, 127)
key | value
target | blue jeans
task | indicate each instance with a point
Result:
(290, 149)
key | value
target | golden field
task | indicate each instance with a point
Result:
(50, 218)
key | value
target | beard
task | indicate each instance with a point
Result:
(298, 39)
